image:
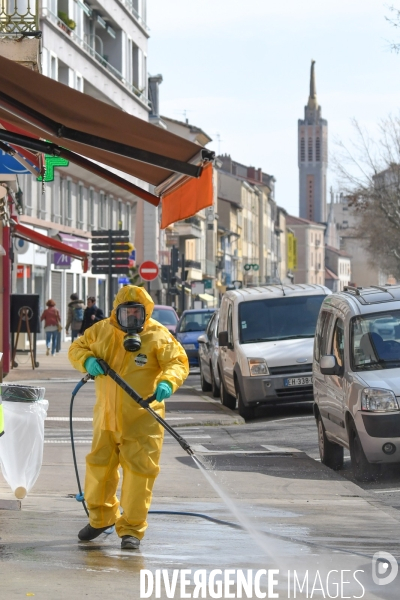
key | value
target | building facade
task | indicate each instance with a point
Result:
(312, 158)
(310, 250)
(99, 49)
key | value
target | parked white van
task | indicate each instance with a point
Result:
(356, 375)
(266, 338)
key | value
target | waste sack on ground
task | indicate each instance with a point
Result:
(21, 446)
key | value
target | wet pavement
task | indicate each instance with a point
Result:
(282, 510)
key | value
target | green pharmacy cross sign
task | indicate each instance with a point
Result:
(51, 162)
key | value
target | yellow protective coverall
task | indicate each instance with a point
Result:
(124, 433)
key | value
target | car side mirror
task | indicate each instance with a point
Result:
(202, 339)
(223, 338)
(329, 365)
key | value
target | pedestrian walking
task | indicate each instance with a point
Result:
(91, 315)
(151, 360)
(52, 325)
(75, 314)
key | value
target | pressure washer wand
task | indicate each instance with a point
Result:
(144, 404)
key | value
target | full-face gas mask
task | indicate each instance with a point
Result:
(131, 317)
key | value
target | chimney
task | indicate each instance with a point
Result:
(154, 97)
(251, 173)
(260, 175)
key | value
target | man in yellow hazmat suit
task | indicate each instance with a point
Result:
(145, 354)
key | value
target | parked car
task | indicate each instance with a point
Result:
(192, 324)
(266, 337)
(165, 315)
(357, 379)
(208, 357)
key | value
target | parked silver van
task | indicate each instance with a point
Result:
(266, 338)
(356, 377)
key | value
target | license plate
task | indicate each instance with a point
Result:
(298, 381)
(189, 346)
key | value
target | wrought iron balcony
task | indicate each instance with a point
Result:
(19, 16)
(88, 46)
(129, 5)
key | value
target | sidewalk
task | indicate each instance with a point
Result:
(199, 409)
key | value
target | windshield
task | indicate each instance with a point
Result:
(285, 318)
(164, 316)
(375, 341)
(195, 321)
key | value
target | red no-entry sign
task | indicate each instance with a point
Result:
(148, 270)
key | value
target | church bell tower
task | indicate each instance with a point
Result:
(313, 158)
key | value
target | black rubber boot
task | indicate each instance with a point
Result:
(90, 533)
(129, 542)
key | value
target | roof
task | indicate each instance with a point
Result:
(330, 274)
(337, 251)
(290, 220)
(374, 294)
(278, 291)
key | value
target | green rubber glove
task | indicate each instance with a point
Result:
(92, 366)
(163, 391)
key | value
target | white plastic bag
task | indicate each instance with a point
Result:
(21, 446)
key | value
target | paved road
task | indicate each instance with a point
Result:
(294, 426)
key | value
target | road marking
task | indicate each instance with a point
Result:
(67, 419)
(90, 419)
(67, 441)
(384, 491)
(179, 418)
(197, 437)
(290, 419)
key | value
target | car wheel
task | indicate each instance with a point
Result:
(247, 412)
(205, 386)
(362, 469)
(215, 389)
(227, 399)
(331, 454)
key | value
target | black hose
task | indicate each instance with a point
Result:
(80, 496)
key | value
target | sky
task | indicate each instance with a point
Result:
(240, 71)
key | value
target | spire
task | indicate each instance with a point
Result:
(312, 100)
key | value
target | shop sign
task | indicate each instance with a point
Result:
(20, 271)
(62, 261)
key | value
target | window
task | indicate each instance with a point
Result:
(103, 211)
(69, 203)
(338, 343)
(375, 341)
(210, 326)
(318, 149)
(195, 321)
(230, 327)
(302, 150)
(321, 334)
(120, 224)
(129, 217)
(91, 209)
(268, 320)
(310, 150)
(80, 206)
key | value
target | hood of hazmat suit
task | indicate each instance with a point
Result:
(160, 358)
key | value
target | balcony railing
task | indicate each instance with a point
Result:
(129, 5)
(88, 46)
(18, 17)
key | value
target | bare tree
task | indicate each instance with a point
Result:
(369, 172)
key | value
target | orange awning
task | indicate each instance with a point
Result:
(105, 135)
(188, 199)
